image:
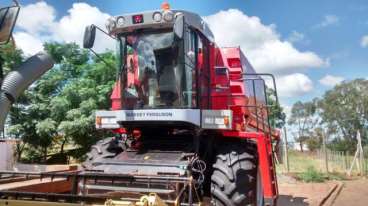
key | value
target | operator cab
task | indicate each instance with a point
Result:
(158, 68)
(164, 73)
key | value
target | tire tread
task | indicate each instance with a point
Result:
(233, 182)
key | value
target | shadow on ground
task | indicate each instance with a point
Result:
(287, 200)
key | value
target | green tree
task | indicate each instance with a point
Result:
(315, 139)
(276, 115)
(58, 109)
(10, 57)
(303, 119)
(344, 110)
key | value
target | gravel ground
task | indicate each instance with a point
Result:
(354, 193)
(293, 193)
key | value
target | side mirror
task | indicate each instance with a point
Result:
(89, 36)
(179, 26)
(8, 17)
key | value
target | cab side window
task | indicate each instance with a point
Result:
(203, 69)
(189, 77)
(198, 60)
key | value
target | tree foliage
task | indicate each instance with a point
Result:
(315, 139)
(341, 112)
(276, 115)
(345, 108)
(304, 120)
(10, 57)
(58, 110)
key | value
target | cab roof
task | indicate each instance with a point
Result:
(191, 19)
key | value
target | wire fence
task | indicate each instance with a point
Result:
(324, 161)
(343, 162)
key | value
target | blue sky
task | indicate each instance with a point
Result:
(327, 36)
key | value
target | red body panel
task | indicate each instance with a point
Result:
(247, 101)
(116, 96)
(233, 91)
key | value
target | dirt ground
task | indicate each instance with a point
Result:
(354, 192)
(293, 193)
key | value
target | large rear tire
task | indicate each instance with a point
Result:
(103, 149)
(234, 178)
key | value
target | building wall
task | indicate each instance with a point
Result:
(6, 155)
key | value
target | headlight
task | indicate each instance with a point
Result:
(120, 21)
(157, 16)
(168, 16)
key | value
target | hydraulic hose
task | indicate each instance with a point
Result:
(19, 80)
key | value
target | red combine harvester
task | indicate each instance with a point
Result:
(191, 121)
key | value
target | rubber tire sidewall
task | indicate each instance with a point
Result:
(233, 182)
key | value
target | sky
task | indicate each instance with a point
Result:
(310, 46)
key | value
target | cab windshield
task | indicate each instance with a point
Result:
(153, 72)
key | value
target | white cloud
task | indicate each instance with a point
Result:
(37, 22)
(330, 80)
(292, 85)
(296, 37)
(28, 43)
(70, 28)
(364, 41)
(36, 18)
(261, 43)
(329, 20)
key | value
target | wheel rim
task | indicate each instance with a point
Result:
(259, 189)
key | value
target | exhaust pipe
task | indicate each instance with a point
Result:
(19, 80)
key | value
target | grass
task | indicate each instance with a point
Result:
(307, 168)
(311, 175)
(299, 162)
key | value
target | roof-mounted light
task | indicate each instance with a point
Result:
(157, 16)
(168, 16)
(120, 21)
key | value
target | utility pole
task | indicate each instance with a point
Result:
(286, 151)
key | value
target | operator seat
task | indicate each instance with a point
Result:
(167, 86)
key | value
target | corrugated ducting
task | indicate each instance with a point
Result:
(19, 79)
(5, 105)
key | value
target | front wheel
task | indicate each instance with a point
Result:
(234, 178)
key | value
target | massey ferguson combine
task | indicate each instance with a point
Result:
(191, 124)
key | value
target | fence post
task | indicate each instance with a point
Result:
(325, 151)
(342, 166)
(346, 159)
(361, 155)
